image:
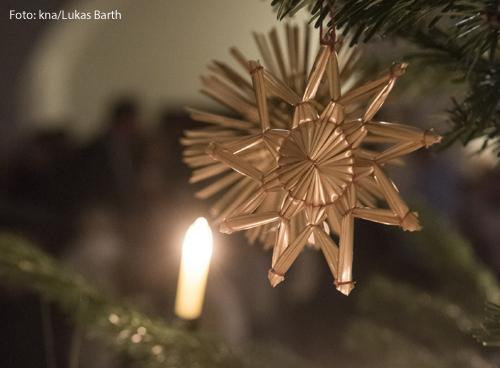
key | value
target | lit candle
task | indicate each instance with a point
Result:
(196, 253)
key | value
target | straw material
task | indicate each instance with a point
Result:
(293, 167)
(242, 222)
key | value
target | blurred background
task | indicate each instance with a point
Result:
(91, 113)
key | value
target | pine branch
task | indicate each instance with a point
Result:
(146, 342)
(435, 321)
(414, 328)
(489, 334)
(470, 32)
(370, 17)
(450, 263)
(431, 327)
(291, 7)
(381, 346)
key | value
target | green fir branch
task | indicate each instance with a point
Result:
(143, 341)
(370, 17)
(414, 328)
(468, 38)
(291, 7)
(432, 326)
(380, 346)
(489, 333)
(449, 261)
(435, 321)
(477, 114)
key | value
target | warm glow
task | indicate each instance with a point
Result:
(196, 253)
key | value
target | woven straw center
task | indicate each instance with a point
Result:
(316, 163)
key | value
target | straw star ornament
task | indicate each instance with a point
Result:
(303, 171)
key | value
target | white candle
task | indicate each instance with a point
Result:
(196, 253)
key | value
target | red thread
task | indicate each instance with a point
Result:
(277, 273)
(337, 283)
(253, 71)
(228, 226)
(331, 32)
(403, 218)
(424, 141)
(303, 103)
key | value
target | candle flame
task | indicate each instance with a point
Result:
(198, 242)
(196, 253)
